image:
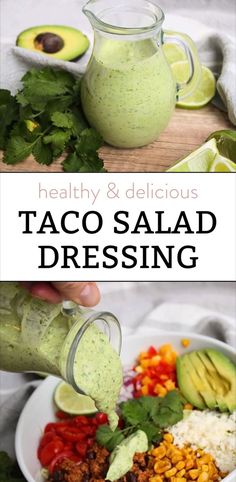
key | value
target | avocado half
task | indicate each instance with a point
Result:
(58, 41)
(207, 379)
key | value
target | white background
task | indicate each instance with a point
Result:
(216, 251)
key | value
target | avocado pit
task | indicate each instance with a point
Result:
(48, 42)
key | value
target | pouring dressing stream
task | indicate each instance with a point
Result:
(79, 345)
(128, 91)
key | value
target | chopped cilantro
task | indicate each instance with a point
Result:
(45, 118)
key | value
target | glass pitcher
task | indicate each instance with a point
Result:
(128, 91)
(80, 345)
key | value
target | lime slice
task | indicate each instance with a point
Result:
(173, 53)
(226, 143)
(221, 164)
(68, 400)
(199, 160)
(206, 88)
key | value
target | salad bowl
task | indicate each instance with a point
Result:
(40, 408)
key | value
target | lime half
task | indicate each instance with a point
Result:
(221, 164)
(173, 53)
(68, 400)
(206, 88)
(199, 160)
(226, 143)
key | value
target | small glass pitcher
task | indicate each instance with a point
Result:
(36, 336)
(128, 90)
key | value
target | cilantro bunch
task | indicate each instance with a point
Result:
(150, 414)
(46, 119)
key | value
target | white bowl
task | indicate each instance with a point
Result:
(39, 410)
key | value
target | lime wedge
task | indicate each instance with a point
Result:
(68, 400)
(226, 143)
(221, 164)
(173, 53)
(199, 160)
(206, 87)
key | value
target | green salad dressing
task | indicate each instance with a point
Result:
(128, 91)
(37, 336)
(121, 459)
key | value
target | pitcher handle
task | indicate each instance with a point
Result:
(185, 89)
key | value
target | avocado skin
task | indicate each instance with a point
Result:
(207, 379)
(74, 42)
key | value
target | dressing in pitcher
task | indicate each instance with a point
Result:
(128, 91)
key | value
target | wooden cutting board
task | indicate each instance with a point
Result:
(186, 131)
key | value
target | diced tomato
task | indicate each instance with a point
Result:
(101, 418)
(66, 454)
(50, 427)
(46, 438)
(90, 442)
(49, 451)
(152, 351)
(81, 449)
(81, 420)
(62, 415)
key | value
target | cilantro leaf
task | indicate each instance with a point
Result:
(42, 152)
(133, 412)
(17, 149)
(153, 433)
(8, 114)
(82, 163)
(170, 411)
(62, 119)
(89, 142)
(107, 438)
(58, 138)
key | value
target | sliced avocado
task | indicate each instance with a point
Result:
(186, 384)
(227, 371)
(198, 375)
(215, 381)
(58, 41)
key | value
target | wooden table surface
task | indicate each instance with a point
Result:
(186, 131)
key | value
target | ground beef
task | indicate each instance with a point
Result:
(95, 467)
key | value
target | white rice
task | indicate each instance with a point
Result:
(211, 431)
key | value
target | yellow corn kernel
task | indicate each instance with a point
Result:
(179, 479)
(189, 464)
(144, 390)
(170, 385)
(168, 437)
(193, 474)
(162, 466)
(156, 478)
(139, 369)
(181, 473)
(170, 473)
(188, 406)
(167, 347)
(176, 458)
(159, 452)
(205, 468)
(185, 342)
(155, 360)
(203, 477)
(160, 390)
(180, 465)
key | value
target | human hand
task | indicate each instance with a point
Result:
(84, 293)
